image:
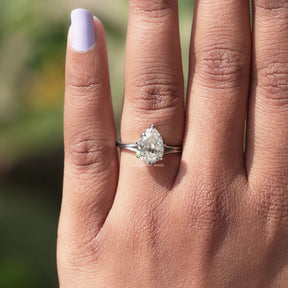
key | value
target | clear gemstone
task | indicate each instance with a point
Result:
(150, 146)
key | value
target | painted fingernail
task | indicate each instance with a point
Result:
(82, 28)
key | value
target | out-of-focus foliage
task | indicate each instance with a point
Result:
(32, 58)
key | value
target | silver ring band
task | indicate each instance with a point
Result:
(134, 148)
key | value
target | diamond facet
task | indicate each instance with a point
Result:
(150, 147)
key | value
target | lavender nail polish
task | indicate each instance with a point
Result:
(82, 29)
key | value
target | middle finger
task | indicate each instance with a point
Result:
(219, 82)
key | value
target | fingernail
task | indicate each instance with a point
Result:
(82, 28)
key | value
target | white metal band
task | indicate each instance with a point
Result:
(134, 147)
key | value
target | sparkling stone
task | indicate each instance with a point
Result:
(150, 146)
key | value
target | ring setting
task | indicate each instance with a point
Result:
(150, 148)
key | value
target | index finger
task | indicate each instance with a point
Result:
(91, 164)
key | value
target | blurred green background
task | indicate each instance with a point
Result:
(32, 59)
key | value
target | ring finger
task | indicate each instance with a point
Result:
(154, 88)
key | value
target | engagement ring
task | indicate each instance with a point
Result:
(150, 148)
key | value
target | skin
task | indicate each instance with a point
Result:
(211, 217)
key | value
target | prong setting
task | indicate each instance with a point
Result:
(150, 147)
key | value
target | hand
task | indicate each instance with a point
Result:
(212, 216)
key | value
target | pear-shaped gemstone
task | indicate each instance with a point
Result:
(150, 146)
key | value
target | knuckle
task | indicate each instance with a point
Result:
(144, 231)
(271, 206)
(208, 204)
(156, 95)
(91, 153)
(87, 85)
(271, 6)
(77, 254)
(152, 8)
(221, 65)
(272, 79)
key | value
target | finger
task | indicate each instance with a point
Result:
(90, 174)
(267, 148)
(154, 85)
(218, 85)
